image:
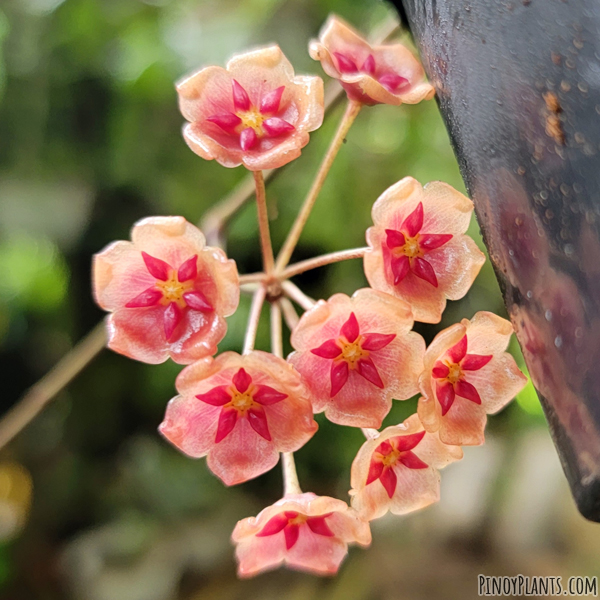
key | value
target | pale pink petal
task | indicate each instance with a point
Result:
(369, 65)
(270, 101)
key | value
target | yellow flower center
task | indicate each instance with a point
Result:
(352, 352)
(455, 373)
(173, 290)
(242, 402)
(390, 459)
(411, 247)
(253, 119)
(299, 520)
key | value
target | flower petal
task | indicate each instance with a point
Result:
(227, 420)
(275, 126)
(188, 270)
(394, 239)
(367, 369)
(440, 370)
(369, 65)
(423, 269)
(400, 268)
(171, 318)
(375, 471)
(270, 102)
(149, 297)
(274, 525)
(377, 341)
(457, 352)
(413, 223)
(267, 395)
(345, 63)
(412, 461)
(431, 241)
(226, 121)
(350, 329)
(474, 362)
(445, 395)
(467, 390)
(242, 380)
(156, 267)
(319, 526)
(389, 480)
(291, 535)
(241, 101)
(404, 443)
(328, 349)
(248, 139)
(391, 81)
(218, 396)
(258, 422)
(339, 377)
(198, 301)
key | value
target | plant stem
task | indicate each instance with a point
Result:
(263, 223)
(34, 400)
(289, 313)
(297, 295)
(253, 319)
(321, 261)
(369, 433)
(290, 476)
(252, 278)
(276, 332)
(283, 258)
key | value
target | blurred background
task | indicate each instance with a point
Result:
(94, 505)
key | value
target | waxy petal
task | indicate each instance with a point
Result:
(404, 443)
(377, 341)
(258, 422)
(274, 525)
(270, 102)
(227, 420)
(188, 270)
(171, 318)
(345, 63)
(198, 301)
(431, 241)
(474, 362)
(389, 480)
(467, 390)
(242, 380)
(149, 297)
(291, 536)
(375, 470)
(369, 65)
(156, 267)
(423, 269)
(440, 370)
(328, 349)
(412, 461)
(267, 395)
(445, 395)
(400, 268)
(457, 352)
(319, 526)
(413, 223)
(241, 101)
(218, 396)
(275, 126)
(391, 81)
(248, 139)
(366, 367)
(339, 377)
(228, 122)
(350, 329)
(394, 239)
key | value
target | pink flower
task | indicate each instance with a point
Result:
(255, 112)
(387, 74)
(304, 532)
(417, 248)
(168, 293)
(468, 374)
(398, 470)
(356, 354)
(241, 412)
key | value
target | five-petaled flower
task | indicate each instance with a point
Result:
(168, 293)
(417, 248)
(357, 354)
(468, 374)
(386, 74)
(255, 112)
(397, 470)
(303, 531)
(241, 411)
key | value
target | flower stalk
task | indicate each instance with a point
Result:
(253, 319)
(263, 223)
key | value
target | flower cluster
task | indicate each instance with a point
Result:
(168, 295)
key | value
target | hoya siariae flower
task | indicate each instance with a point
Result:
(398, 470)
(467, 375)
(241, 412)
(302, 531)
(386, 74)
(417, 250)
(255, 112)
(356, 354)
(167, 291)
